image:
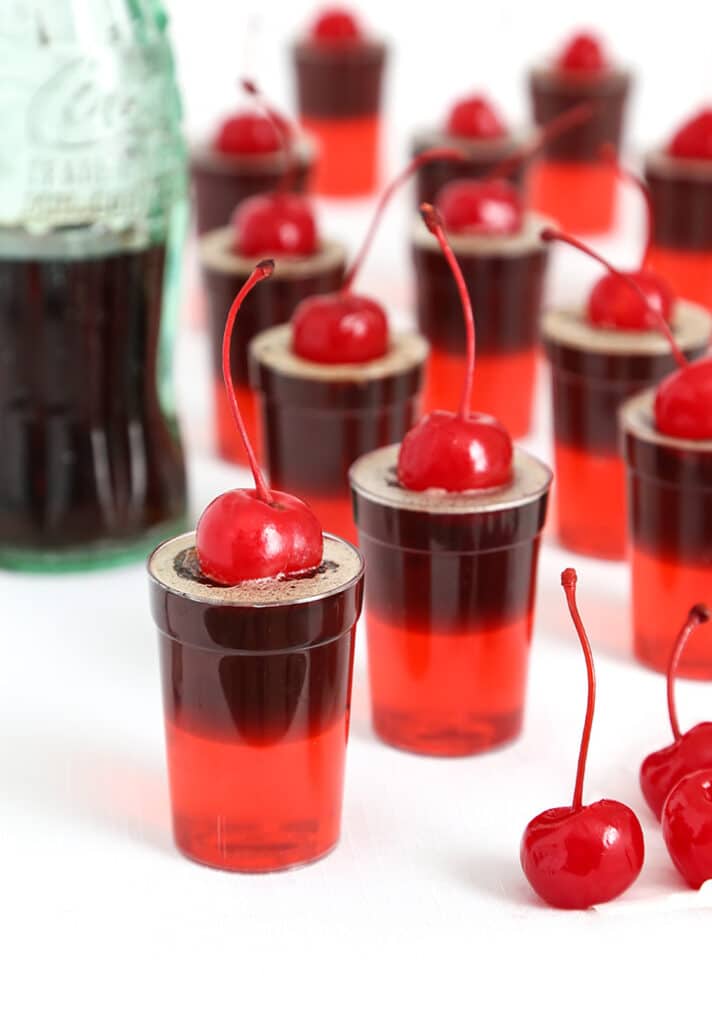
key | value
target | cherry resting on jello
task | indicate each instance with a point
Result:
(584, 54)
(577, 856)
(690, 751)
(474, 117)
(459, 451)
(259, 533)
(687, 827)
(343, 327)
(693, 140)
(280, 223)
(335, 26)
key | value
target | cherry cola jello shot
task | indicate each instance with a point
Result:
(449, 523)
(667, 438)
(503, 260)
(279, 224)
(476, 128)
(573, 183)
(256, 613)
(339, 75)
(599, 357)
(245, 157)
(679, 177)
(334, 383)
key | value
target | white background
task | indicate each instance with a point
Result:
(422, 912)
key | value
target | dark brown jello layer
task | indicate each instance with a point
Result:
(481, 157)
(220, 181)
(272, 303)
(594, 370)
(553, 92)
(255, 662)
(681, 197)
(339, 81)
(670, 486)
(317, 419)
(89, 457)
(504, 276)
(449, 559)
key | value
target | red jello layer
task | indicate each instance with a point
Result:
(590, 500)
(254, 808)
(664, 590)
(451, 693)
(504, 384)
(581, 197)
(348, 154)
(229, 442)
(688, 271)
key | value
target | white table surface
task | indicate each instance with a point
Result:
(421, 913)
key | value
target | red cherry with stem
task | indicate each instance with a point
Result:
(474, 117)
(336, 26)
(577, 856)
(582, 53)
(259, 533)
(693, 139)
(687, 827)
(247, 133)
(459, 451)
(280, 223)
(493, 205)
(342, 327)
(689, 751)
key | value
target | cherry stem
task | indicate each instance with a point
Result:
(557, 126)
(609, 154)
(434, 224)
(436, 153)
(285, 134)
(549, 235)
(568, 582)
(698, 614)
(264, 269)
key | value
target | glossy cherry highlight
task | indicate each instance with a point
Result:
(455, 451)
(690, 751)
(577, 856)
(693, 140)
(344, 327)
(474, 117)
(335, 26)
(257, 533)
(582, 53)
(687, 827)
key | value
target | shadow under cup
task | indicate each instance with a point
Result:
(256, 692)
(449, 604)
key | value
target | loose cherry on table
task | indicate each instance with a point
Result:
(258, 533)
(459, 451)
(577, 856)
(687, 826)
(683, 400)
(344, 327)
(493, 205)
(335, 26)
(279, 223)
(583, 53)
(693, 140)
(690, 751)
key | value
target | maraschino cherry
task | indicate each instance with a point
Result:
(687, 827)
(459, 451)
(577, 856)
(343, 327)
(583, 53)
(493, 205)
(474, 117)
(690, 751)
(259, 533)
(279, 223)
(693, 140)
(335, 26)
(251, 132)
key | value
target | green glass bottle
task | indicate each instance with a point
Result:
(93, 210)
